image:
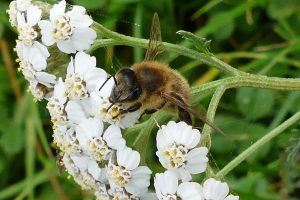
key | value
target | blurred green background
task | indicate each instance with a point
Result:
(257, 36)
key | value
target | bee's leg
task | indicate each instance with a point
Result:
(184, 115)
(133, 108)
(150, 111)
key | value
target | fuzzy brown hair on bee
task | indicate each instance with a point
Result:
(152, 85)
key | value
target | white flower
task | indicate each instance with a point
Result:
(56, 104)
(85, 171)
(177, 151)
(126, 173)
(99, 143)
(23, 5)
(27, 31)
(81, 109)
(64, 137)
(120, 193)
(83, 76)
(115, 116)
(167, 188)
(33, 62)
(37, 90)
(16, 7)
(70, 30)
(101, 193)
(216, 190)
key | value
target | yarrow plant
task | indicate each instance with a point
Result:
(86, 129)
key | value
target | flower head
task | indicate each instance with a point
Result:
(83, 76)
(167, 188)
(28, 32)
(216, 190)
(69, 30)
(56, 104)
(33, 62)
(126, 172)
(177, 151)
(17, 7)
(85, 171)
(99, 144)
(64, 137)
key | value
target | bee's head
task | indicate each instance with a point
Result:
(126, 88)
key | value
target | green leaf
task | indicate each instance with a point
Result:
(254, 103)
(12, 141)
(224, 31)
(281, 9)
(200, 43)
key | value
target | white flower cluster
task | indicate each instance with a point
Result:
(167, 188)
(93, 152)
(86, 129)
(178, 152)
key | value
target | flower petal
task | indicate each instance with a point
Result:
(83, 63)
(128, 158)
(34, 15)
(113, 137)
(46, 28)
(82, 38)
(45, 78)
(79, 18)
(93, 77)
(75, 112)
(197, 160)
(140, 181)
(66, 46)
(232, 197)
(190, 191)
(213, 189)
(57, 10)
(165, 183)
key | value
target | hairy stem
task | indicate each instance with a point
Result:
(120, 39)
(254, 147)
(212, 108)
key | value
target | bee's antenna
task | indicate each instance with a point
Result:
(115, 80)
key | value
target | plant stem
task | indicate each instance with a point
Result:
(212, 108)
(257, 81)
(254, 147)
(241, 79)
(120, 39)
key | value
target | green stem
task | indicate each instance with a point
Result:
(212, 108)
(120, 39)
(30, 153)
(257, 81)
(254, 147)
(12, 190)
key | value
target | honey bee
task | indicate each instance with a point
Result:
(152, 85)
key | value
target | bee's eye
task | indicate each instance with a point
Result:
(115, 95)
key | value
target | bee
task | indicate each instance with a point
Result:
(152, 85)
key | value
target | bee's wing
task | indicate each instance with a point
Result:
(179, 103)
(155, 45)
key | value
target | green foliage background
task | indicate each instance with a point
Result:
(256, 36)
